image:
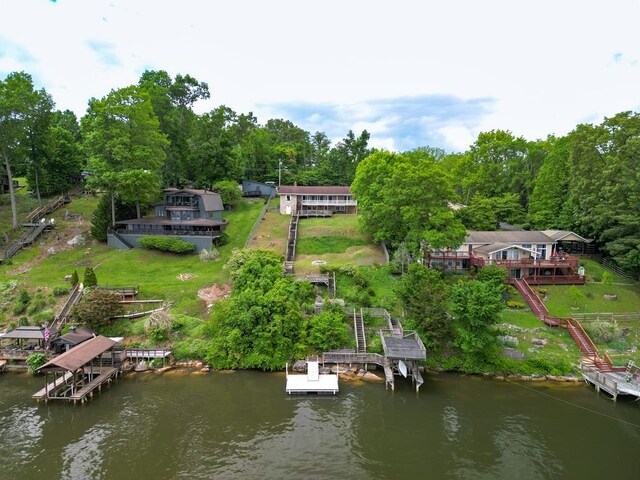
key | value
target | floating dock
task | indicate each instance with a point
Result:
(312, 382)
(616, 382)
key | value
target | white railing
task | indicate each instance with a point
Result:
(329, 202)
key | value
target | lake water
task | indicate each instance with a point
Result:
(243, 425)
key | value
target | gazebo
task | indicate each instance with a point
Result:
(21, 342)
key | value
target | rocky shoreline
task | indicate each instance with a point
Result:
(349, 373)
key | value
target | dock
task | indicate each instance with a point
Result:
(618, 381)
(78, 372)
(312, 382)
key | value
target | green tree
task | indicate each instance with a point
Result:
(263, 323)
(97, 309)
(229, 192)
(406, 198)
(424, 295)
(17, 103)
(89, 279)
(125, 146)
(476, 307)
(327, 331)
(74, 278)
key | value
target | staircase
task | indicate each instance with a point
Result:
(121, 239)
(291, 241)
(74, 297)
(582, 339)
(358, 329)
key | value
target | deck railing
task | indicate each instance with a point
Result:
(358, 358)
(333, 202)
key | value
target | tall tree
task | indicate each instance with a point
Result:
(125, 146)
(40, 140)
(17, 102)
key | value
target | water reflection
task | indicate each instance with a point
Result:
(245, 426)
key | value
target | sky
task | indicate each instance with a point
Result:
(412, 73)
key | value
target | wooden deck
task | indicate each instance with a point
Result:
(612, 382)
(61, 387)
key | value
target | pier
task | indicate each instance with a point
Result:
(74, 375)
(615, 382)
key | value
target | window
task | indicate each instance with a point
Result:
(542, 250)
(288, 198)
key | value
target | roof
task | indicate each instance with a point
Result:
(267, 185)
(26, 332)
(75, 358)
(403, 348)
(198, 222)
(211, 200)
(518, 237)
(567, 235)
(314, 190)
(496, 247)
(75, 338)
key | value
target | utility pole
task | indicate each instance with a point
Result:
(279, 172)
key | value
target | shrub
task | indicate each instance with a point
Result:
(97, 309)
(22, 303)
(167, 244)
(59, 291)
(23, 321)
(515, 304)
(209, 255)
(45, 316)
(38, 303)
(90, 279)
(35, 361)
(223, 239)
(74, 278)
(229, 192)
(158, 326)
(604, 332)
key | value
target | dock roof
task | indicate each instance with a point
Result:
(78, 356)
(26, 332)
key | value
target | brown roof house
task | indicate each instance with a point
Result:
(194, 216)
(316, 200)
(537, 256)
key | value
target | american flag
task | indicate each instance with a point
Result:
(47, 334)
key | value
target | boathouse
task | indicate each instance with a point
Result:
(74, 375)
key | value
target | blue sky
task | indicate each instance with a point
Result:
(413, 73)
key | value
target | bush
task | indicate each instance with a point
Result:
(22, 303)
(515, 304)
(229, 193)
(35, 361)
(23, 321)
(167, 244)
(45, 316)
(90, 279)
(38, 303)
(604, 332)
(59, 291)
(158, 326)
(223, 239)
(209, 255)
(74, 278)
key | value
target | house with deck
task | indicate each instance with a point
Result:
(194, 216)
(316, 200)
(537, 256)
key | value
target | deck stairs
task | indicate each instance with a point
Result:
(580, 337)
(31, 233)
(121, 239)
(291, 241)
(358, 329)
(51, 206)
(60, 319)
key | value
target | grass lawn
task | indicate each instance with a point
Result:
(559, 302)
(155, 272)
(272, 232)
(336, 241)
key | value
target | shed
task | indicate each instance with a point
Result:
(72, 339)
(251, 188)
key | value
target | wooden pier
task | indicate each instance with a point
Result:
(78, 372)
(621, 381)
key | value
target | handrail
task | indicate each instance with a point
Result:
(577, 326)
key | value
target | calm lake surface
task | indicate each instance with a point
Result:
(243, 425)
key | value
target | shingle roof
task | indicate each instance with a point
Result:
(518, 237)
(314, 190)
(26, 333)
(80, 355)
(211, 200)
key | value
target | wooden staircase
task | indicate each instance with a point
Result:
(358, 329)
(579, 335)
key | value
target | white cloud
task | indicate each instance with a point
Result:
(547, 65)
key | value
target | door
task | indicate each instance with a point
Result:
(287, 209)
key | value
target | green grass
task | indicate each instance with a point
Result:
(155, 272)
(594, 270)
(327, 244)
(593, 300)
(272, 232)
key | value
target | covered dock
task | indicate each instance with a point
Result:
(77, 373)
(312, 382)
(403, 349)
(21, 342)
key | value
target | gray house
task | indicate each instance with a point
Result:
(194, 216)
(258, 189)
